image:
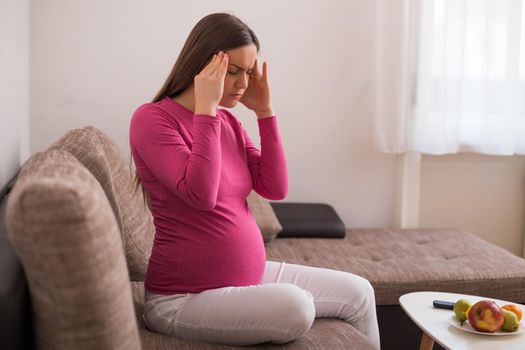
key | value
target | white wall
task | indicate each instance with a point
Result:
(482, 194)
(14, 87)
(94, 62)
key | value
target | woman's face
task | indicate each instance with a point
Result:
(240, 65)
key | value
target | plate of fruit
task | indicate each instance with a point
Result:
(487, 318)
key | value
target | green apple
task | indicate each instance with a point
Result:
(460, 308)
(511, 323)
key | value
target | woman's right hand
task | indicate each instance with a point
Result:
(209, 84)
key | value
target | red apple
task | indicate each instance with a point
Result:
(486, 316)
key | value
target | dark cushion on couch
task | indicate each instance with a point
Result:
(308, 220)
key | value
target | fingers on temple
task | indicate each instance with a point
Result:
(258, 73)
(222, 66)
(208, 68)
(215, 62)
(265, 71)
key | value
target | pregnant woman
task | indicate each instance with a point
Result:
(208, 278)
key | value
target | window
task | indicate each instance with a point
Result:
(465, 70)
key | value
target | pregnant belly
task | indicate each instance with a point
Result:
(233, 258)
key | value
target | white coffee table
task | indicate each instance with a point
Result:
(436, 327)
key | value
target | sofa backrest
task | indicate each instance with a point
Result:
(63, 229)
(101, 156)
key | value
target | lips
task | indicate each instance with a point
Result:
(236, 95)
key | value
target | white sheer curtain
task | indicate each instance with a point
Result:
(450, 76)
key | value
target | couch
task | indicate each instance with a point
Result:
(80, 237)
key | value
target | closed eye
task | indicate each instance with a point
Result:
(233, 73)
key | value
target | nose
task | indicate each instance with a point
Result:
(242, 82)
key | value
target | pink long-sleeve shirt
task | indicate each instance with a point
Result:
(197, 171)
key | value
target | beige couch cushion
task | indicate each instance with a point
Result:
(326, 333)
(62, 227)
(264, 216)
(402, 261)
(103, 159)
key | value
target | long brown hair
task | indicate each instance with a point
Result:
(214, 32)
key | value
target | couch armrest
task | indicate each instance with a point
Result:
(62, 227)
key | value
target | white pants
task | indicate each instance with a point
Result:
(280, 309)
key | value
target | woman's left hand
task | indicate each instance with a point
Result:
(257, 95)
